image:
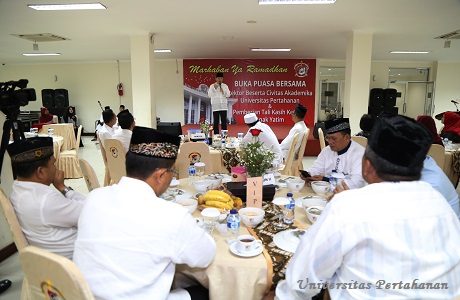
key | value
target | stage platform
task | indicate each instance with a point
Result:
(281, 131)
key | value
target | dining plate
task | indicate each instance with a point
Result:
(175, 193)
(257, 250)
(288, 240)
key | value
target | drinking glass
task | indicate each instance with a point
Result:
(199, 168)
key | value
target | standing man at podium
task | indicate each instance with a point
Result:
(219, 92)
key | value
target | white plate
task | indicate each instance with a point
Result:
(315, 199)
(280, 201)
(175, 193)
(286, 240)
(259, 248)
(174, 183)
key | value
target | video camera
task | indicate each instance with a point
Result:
(14, 94)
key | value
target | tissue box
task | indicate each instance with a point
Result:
(238, 174)
(238, 189)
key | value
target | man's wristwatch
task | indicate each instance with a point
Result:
(66, 190)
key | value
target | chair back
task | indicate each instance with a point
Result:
(10, 215)
(287, 170)
(360, 140)
(298, 164)
(104, 159)
(52, 276)
(190, 153)
(322, 141)
(90, 176)
(116, 157)
(77, 146)
(437, 152)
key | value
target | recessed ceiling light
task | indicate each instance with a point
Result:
(409, 52)
(162, 51)
(41, 54)
(74, 6)
(251, 22)
(270, 49)
(269, 2)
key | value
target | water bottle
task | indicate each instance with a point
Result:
(288, 215)
(223, 143)
(191, 171)
(233, 223)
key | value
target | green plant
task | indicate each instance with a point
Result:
(255, 157)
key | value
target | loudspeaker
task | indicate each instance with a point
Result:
(392, 111)
(376, 97)
(172, 128)
(375, 111)
(61, 98)
(390, 97)
(48, 98)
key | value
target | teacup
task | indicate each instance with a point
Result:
(247, 243)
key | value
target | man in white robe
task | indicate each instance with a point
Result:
(219, 92)
(267, 136)
(127, 123)
(108, 129)
(299, 127)
(48, 216)
(129, 239)
(342, 155)
(396, 238)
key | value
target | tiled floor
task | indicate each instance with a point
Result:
(11, 268)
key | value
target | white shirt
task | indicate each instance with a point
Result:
(106, 132)
(349, 163)
(218, 97)
(124, 136)
(285, 145)
(129, 242)
(47, 218)
(386, 231)
(269, 139)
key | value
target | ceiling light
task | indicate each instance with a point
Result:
(409, 52)
(162, 51)
(41, 54)
(270, 49)
(447, 44)
(75, 6)
(268, 2)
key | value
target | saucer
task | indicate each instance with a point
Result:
(257, 250)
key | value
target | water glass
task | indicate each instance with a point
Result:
(199, 168)
(240, 136)
(50, 131)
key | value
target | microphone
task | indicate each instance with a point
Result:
(100, 105)
(454, 102)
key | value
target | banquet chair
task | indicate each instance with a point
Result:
(52, 276)
(90, 176)
(288, 162)
(104, 159)
(437, 152)
(190, 153)
(360, 140)
(322, 142)
(18, 236)
(116, 157)
(298, 157)
(68, 160)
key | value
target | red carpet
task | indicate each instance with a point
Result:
(281, 131)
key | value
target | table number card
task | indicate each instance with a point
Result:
(254, 192)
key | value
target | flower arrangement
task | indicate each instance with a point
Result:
(205, 126)
(255, 157)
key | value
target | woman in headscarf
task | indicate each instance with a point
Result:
(45, 116)
(428, 123)
(451, 128)
(71, 117)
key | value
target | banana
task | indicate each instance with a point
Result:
(215, 195)
(218, 204)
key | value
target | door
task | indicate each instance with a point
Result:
(416, 97)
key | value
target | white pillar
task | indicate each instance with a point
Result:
(198, 111)
(357, 77)
(190, 107)
(142, 80)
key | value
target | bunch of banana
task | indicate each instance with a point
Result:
(237, 202)
(217, 199)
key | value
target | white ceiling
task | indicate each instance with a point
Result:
(219, 29)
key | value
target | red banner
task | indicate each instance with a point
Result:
(271, 88)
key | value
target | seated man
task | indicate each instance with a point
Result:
(267, 136)
(396, 238)
(126, 123)
(299, 127)
(435, 176)
(129, 240)
(48, 217)
(108, 129)
(341, 156)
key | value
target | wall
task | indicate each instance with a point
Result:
(447, 87)
(86, 82)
